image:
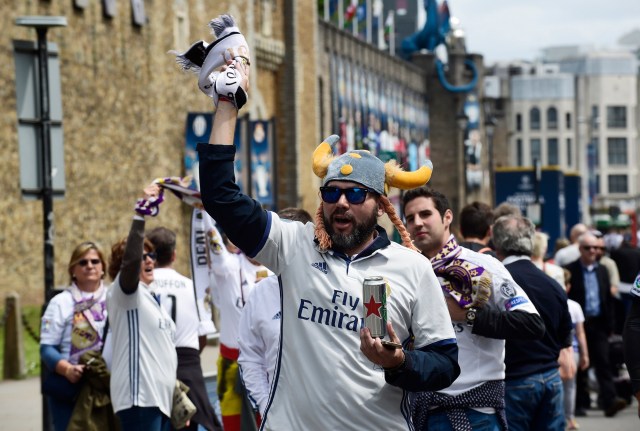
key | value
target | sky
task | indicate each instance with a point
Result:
(504, 30)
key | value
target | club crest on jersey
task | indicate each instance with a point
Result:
(507, 290)
(635, 289)
(322, 266)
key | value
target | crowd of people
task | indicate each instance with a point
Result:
(483, 331)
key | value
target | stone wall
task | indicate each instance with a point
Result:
(125, 103)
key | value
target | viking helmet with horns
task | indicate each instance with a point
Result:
(364, 168)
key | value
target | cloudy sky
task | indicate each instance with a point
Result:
(517, 29)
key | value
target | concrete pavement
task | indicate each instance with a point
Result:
(21, 404)
(21, 401)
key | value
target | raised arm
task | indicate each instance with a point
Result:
(134, 248)
(242, 218)
(232, 82)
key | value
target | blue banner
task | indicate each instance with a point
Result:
(517, 187)
(573, 195)
(197, 130)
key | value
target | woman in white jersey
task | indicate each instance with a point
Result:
(72, 324)
(143, 371)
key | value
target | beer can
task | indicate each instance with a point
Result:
(375, 305)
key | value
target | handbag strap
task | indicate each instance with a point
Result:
(104, 335)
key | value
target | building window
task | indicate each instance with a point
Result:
(618, 184)
(536, 152)
(519, 152)
(598, 184)
(617, 117)
(552, 151)
(595, 117)
(569, 155)
(534, 119)
(617, 151)
(552, 118)
(267, 21)
(181, 25)
(567, 120)
(593, 152)
(519, 122)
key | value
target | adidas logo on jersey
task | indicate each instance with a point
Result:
(322, 266)
(277, 316)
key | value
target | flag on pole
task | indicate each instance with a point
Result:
(378, 27)
(389, 32)
(350, 12)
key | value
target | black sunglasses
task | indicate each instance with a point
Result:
(151, 255)
(354, 195)
(592, 247)
(85, 262)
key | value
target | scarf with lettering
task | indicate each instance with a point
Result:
(458, 277)
(184, 189)
(87, 311)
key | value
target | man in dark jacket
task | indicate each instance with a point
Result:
(590, 288)
(534, 398)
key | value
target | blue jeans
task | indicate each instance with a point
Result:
(535, 402)
(479, 421)
(60, 413)
(143, 418)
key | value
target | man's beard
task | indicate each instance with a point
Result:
(359, 235)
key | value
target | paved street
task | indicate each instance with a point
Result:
(21, 404)
(21, 401)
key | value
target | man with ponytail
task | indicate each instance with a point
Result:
(331, 373)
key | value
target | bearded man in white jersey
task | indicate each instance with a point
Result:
(476, 398)
(331, 372)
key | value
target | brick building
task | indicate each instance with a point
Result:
(125, 104)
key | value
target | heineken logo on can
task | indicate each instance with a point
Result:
(374, 297)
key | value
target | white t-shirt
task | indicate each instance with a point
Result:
(232, 278)
(57, 322)
(143, 371)
(259, 340)
(322, 378)
(178, 298)
(481, 359)
(577, 316)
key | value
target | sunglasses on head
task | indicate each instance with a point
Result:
(151, 255)
(354, 195)
(85, 262)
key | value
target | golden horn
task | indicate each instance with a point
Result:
(323, 155)
(396, 177)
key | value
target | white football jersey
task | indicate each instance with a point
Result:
(322, 378)
(143, 371)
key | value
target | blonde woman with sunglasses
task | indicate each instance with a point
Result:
(73, 323)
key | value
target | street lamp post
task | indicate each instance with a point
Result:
(42, 24)
(462, 122)
(490, 127)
